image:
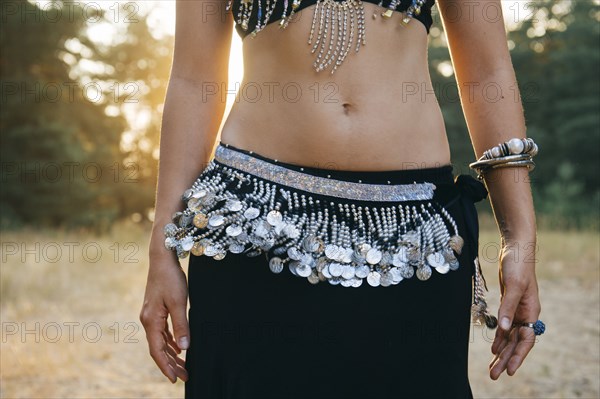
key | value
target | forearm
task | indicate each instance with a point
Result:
(494, 116)
(189, 128)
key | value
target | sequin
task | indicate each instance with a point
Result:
(251, 213)
(276, 265)
(200, 220)
(216, 220)
(374, 278)
(423, 272)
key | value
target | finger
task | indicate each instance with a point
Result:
(502, 360)
(181, 327)
(524, 346)
(508, 307)
(500, 338)
(169, 338)
(177, 364)
(178, 360)
(158, 348)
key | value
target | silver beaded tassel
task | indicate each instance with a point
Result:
(332, 24)
(479, 307)
(339, 241)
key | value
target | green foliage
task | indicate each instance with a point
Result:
(559, 80)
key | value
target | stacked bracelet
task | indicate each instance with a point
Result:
(514, 152)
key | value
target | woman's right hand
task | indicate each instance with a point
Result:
(166, 295)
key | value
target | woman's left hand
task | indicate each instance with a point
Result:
(519, 304)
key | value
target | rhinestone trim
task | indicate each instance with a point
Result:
(322, 185)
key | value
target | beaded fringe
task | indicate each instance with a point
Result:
(479, 310)
(337, 240)
(333, 21)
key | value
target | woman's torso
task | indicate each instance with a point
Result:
(376, 112)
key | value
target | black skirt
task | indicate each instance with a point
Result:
(258, 335)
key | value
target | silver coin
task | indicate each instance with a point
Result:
(220, 255)
(194, 203)
(332, 251)
(187, 243)
(435, 259)
(208, 199)
(292, 266)
(200, 194)
(294, 253)
(449, 255)
(170, 229)
(423, 272)
(362, 271)
(234, 205)
(363, 248)
(348, 271)
(211, 250)
(374, 278)
(358, 258)
(386, 259)
(233, 230)
(251, 213)
(325, 271)
(334, 280)
(236, 248)
(185, 220)
(413, 254)
(346, 255)
(385, 280)
(274, 217)
(310, 243)
(181, 253)
(396, 275)
(276, 264)
(313, 278)
(443, 269)
(407, 271)
(357, 282)
(291, 231)
(187, 194)
(454, 265)
(373, 256)
(335, 269)
(307, 259)
(254, 253)
(170, 243)
(261, 229)
(303, 270)
(400, 257)
(346, 283)
(216, 220)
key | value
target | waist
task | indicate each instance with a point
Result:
(361, 185)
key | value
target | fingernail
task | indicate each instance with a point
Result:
(505, 323)
(184, 343)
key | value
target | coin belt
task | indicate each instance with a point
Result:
(320, 228)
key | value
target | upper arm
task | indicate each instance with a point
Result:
(203, 33)
(476, 36)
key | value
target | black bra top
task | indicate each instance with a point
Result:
(424, 16)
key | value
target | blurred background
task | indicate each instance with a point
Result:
(81, 96)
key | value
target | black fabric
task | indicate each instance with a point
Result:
(425, 15)
(260, 335)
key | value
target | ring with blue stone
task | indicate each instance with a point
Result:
(538, 327)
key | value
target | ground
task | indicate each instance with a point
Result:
(70, 304)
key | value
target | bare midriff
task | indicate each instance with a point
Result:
(377, 111)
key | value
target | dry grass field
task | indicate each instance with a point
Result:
(70, 303)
